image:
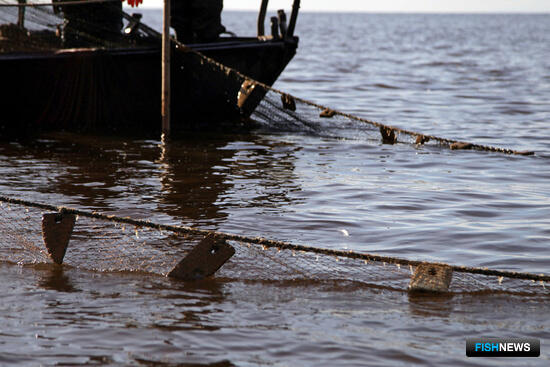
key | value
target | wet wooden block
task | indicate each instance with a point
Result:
(56, 232)
(421, 139)
(327, 113)
(288, 102)
(249, 96)
(431, 278)
(461, 145)
(388, 135)
(203, 260)
(246, 90)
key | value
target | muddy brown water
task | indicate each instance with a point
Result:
(476, 78)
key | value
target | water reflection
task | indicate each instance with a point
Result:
(263, 174)
(54, 278)
(193, 304)
(431, 304)
(193, 180)
(203, 177)
(190, 178)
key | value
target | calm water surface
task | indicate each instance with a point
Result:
(479, 78)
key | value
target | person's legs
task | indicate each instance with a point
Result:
(92, 24)
(207, 22)
(181, 20)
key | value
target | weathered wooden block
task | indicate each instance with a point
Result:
(327, 113)
(249, 96)
(288, 102)
(461, 145)
(431, 278)
(56, 232)
(388, 135)
(421, 139)
(247, 87)
(203, 260)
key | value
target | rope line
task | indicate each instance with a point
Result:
(421, 138)
(274, 243)
(384, 128)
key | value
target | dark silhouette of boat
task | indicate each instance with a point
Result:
(118, 90)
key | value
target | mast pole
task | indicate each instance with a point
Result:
(21, 15)
(166, 71)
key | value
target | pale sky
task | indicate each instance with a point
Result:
(466, 6)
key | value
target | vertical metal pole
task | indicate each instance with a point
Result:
(166, 71)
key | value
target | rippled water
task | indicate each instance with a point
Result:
(481, 78)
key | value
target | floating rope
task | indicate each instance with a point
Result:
(274, 244)
(288, 102)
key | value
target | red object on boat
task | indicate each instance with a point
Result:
(134, 2)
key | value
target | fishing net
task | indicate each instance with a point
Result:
(41, 25)
(280, 110)
(271, 107)
(27, 26)
(95, 245)
(113, 245)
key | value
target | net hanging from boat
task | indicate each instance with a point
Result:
(278, 109)
(43, 25)
(107, 243)
(102, 23)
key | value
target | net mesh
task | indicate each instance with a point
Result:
(110, 246)
(94, 245)
(102, 23)
(103, 245)
(279, 110)
(306, 118)
(43, 25)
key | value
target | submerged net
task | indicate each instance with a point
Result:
(287, 112)
(94, 245)
(113, 244)
(278, 109)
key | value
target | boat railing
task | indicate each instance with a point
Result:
(279, 27)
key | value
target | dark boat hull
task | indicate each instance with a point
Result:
(119, 90)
